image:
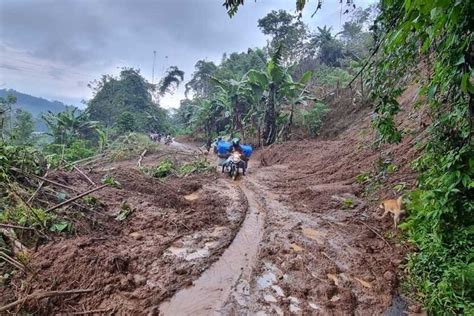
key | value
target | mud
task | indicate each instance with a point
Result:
(175, 231)
(298, 235)
(229, 276)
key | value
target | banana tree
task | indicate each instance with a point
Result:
(275, 86)
(206, 115)
(68, 125)
(234, 95)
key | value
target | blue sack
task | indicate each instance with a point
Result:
(247, 149)
(223, 148)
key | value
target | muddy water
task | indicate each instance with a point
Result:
(209, 293)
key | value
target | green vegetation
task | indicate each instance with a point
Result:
(264, 94)
(167, 167)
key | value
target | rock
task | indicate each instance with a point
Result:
(396, 262)
(108, 289)
(389, 275)
(369, 234)
(278, 290)
(269, 298)
(139, 279)
(136, 235)
(181, 271)
(294, 308)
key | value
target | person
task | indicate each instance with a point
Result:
(168, 139)
(237, 148)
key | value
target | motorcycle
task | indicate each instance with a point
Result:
(235, 162)
(168, 140)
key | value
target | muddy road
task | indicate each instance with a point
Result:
(275, 242)
(286, 261)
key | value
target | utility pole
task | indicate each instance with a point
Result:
(153, 70)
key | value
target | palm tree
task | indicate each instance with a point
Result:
(173, 76)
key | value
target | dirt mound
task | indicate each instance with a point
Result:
(163, 241)
(325, 251)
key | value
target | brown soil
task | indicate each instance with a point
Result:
(311, 241)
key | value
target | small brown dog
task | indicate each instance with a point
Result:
(394, 207)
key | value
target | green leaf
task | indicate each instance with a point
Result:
(59, 227)
(306, 77)
(464, 82)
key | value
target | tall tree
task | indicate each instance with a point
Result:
(200, 83)
(278, 87)
(132, 93)
(327, 46)
(287, 31)
(23, 127)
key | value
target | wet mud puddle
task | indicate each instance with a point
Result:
(224, 278)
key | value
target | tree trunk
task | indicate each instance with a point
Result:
(269, 132)
(238, 119)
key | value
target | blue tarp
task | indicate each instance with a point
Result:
(247, 149)
(223, 147)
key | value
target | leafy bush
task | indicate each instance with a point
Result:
(312, 119)
(198, 166)
(76, 150)
(164, 169)
(130, 145)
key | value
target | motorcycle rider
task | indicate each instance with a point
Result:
(237, 148)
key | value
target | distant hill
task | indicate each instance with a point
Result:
(34, 105)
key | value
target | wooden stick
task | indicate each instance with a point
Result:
(84, 175)
(12, 261)
(139, 163)
(95, 311)
(375, 232)
(42, 294)
(15, 226)
(37, 189)
(76, 198)
(88, 158)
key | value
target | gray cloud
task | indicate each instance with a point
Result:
(74, 41)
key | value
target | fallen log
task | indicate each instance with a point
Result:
(76, 198)
(42, 294)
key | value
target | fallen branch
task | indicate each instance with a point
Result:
(139, 163)
(15, 226)
(76, 198)
(84, 175)
(37, 189)
(44, 179)
(95, 311)
(16, 244)
(375, 232)
(12, 261)
(87, 159)
(41, 295)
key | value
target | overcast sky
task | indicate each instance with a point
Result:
(53, 48)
